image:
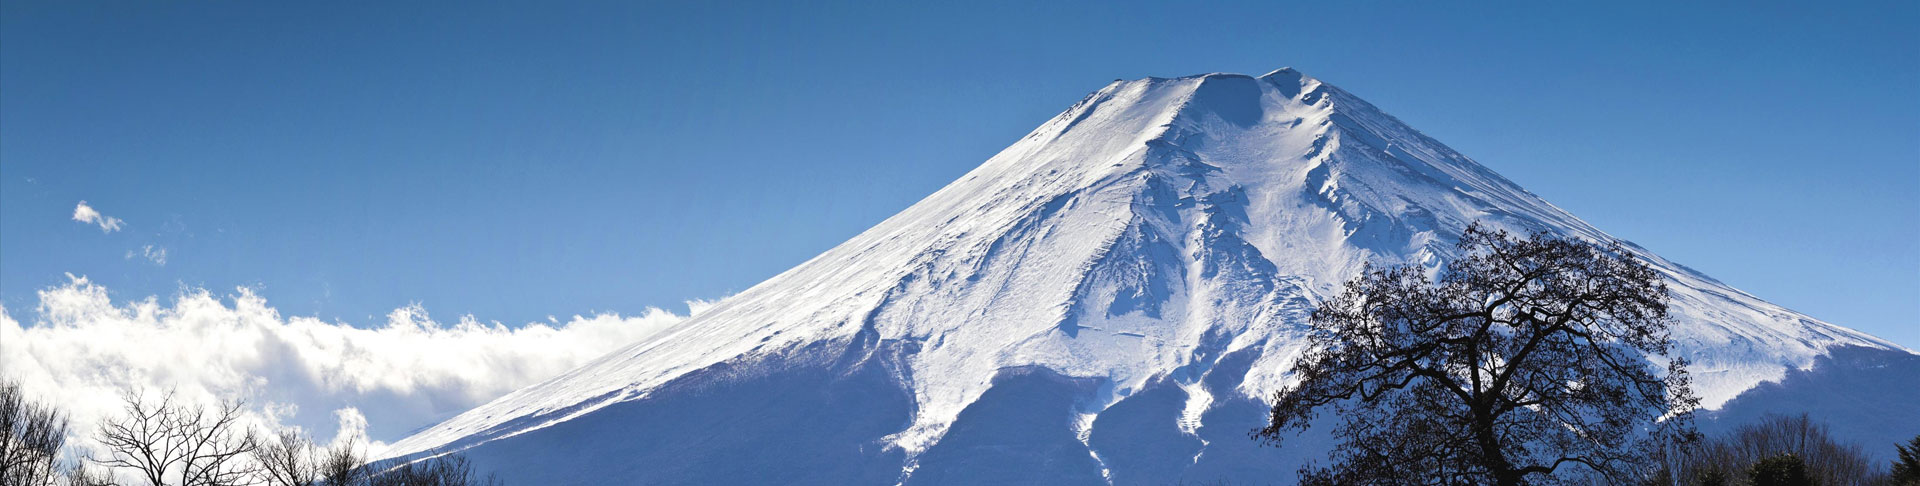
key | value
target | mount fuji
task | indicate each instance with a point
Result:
(1110, 300)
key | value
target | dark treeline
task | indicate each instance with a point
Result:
(1782, 450)
(167, 442)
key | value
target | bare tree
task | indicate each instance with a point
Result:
(342, 466)
(1527, 359)
(440, 470)
(34, 435)
(81, 475)
(165, 442)
(287, 458)
(1807, 442)
(175, 444)
(345, 465)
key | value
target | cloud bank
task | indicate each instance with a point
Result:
(81, 349)
(86, 214)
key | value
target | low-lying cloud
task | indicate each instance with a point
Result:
(81, 350)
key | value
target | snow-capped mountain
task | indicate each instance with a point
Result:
(1109, 300)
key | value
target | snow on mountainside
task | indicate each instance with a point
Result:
(1142, 262)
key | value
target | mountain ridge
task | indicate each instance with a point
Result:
(1149, 241)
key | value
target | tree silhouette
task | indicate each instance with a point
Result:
(175, 443)
(169, 442)
(1528, 358)
(1781, 470)
(287, 458)
(1825, 458)
(437, 470)
(1906, 469)
(31, 435)
(341, 466)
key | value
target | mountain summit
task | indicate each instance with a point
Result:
(1109, 300)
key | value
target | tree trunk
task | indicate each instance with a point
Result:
(1495, 461)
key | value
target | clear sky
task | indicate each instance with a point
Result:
(514, 161)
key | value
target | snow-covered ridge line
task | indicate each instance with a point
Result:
(1161, 232)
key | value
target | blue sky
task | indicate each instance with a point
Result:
(514, 161)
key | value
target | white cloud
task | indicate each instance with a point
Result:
(82, 349)
(154, 254)
(697, 306)
(86, 214)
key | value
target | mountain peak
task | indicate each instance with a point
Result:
(1286, 74)
(1158, 246)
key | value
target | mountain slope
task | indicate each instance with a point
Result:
(1119, 287)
